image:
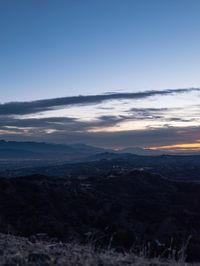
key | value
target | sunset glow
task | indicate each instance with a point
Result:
(183, 147)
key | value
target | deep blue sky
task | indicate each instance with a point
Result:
(54, 48)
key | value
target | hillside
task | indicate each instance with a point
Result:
(117, 208)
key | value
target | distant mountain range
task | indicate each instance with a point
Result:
(42, 150)
(16, 150)
(72, 152)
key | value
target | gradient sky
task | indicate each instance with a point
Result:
(54, 48)
(61, 48)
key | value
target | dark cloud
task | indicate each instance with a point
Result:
(21, 108)
(149, 110)
(163, 114)
(67, 124)
(34, 122)
(140, 138)
(148, 113)
(177, 119)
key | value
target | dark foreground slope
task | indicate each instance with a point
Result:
(122, 209)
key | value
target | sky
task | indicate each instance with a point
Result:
(110, 73)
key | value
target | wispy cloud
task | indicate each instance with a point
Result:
(22, 108)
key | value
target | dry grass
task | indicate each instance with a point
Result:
(20, 251)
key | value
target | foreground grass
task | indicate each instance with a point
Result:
(20, 251)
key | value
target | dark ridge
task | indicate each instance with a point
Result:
(128, 207)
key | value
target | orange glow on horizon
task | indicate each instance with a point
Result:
(183, 146)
